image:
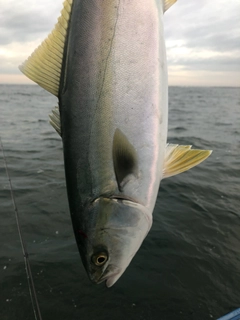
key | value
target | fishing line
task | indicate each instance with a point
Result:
(31, 286)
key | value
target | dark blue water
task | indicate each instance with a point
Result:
(188, 266)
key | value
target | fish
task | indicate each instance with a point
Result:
(106, 62)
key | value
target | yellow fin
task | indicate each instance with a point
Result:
(182, 158)
(167, 4)
(44, 66)
(55, 120)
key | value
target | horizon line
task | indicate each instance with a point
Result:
(170, 85)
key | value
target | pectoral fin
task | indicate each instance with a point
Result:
(45, 64)
(124, 158)
(182, 158)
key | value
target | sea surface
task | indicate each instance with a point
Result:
(187, 268)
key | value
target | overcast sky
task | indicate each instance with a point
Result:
(202, 38)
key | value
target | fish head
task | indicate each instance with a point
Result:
(113, 233)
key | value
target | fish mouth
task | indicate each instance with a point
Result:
(110, 279)
(110, 276)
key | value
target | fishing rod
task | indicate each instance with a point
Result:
(31, 285)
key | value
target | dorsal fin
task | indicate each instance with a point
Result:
(182, 158)
(124, 158)
(45, 64)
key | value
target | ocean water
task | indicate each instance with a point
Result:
(188, 266)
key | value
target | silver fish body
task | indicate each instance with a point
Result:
(114, 81)
(106, 62)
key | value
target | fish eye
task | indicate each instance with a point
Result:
(99, 259)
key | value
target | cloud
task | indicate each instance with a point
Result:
(201, 37)
(25, 20)
(205, 37)
(13, 54)
(22, 27)
(24, 24)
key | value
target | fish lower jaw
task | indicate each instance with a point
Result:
(110, 279)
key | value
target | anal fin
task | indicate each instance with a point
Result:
(182, 158)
